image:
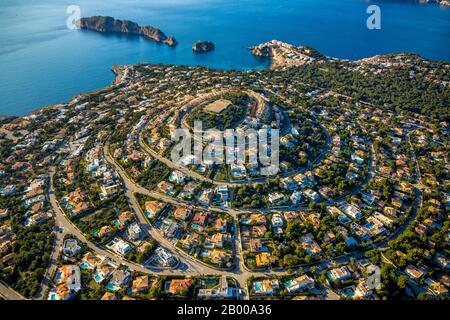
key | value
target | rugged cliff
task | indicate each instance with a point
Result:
(109, 24)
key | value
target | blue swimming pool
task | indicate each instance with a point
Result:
(84, 266)
(289, 283)
(112, 287)
(349, 292)
(369, 225)
(208, 245)
(58, 277)
(53, 296)
(98, 278)
(257, 286)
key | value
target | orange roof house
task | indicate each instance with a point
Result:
(179, 285)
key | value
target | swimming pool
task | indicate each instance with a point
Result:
(112, 287)
(349, 292)
(205, 254)
(208, 245)
(58, 277)
(53, 296)
(290, 283)
(257, 286)
(84, 266)
(369, 225)
(98, 278)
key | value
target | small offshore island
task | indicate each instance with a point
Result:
(106, 24)
(203, 46)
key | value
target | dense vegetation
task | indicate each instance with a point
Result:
(32, 248)
(225, 119)
(396, 90)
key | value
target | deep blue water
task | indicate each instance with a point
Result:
(42, 62)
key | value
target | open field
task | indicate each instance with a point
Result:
(218, 106)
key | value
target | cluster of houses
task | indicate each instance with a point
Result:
(102, 273)
(178, 186)
(107, 178)
(7, 238)
(363, 139)
(272, 286)
(345, 281)
(81, 272)
(202, 234)
(34, 209)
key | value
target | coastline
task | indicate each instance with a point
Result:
(79, 61)
(80, 95)
(115, 68)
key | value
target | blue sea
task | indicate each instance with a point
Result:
(43, 62)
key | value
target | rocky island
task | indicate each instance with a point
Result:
(203, 46)
(105, 24)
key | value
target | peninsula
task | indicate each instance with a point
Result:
(285, 54)
(106, 24)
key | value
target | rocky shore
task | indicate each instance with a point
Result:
(105, 24)
(442, 3)
(284, 54)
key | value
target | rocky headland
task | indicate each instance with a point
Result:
(284, 54)
(105, 24)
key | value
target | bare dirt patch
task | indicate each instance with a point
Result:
(218, 106)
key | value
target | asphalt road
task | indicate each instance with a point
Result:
(192, 266)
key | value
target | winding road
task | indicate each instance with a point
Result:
(194, 267)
